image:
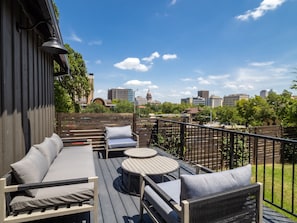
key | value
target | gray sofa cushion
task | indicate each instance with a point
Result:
(58, 141)
(121, 143)
(49, 149)
(71, 163)
(118, 132)
(195, 186)
(172, 188)
(31, 169)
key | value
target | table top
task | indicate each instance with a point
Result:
(140, 152)
(156, 165)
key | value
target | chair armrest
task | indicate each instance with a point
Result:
(146, 180)
(137, 138)
(202, 169)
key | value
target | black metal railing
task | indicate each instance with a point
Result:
(274, 159)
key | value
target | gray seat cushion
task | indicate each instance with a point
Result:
(73, 162)
(31, 169)
(121, 143)
(118, 132)
(196, 186)
(172, 188)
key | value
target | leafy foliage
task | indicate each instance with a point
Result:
(76, 84)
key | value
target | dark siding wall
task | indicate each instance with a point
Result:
(26, 87)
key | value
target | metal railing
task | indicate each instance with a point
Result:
(274, 159)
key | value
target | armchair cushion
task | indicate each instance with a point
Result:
(31, 169)
(121, 143)
(196, 186)
(118, 132)
(172, 188)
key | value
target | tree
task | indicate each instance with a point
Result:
(76, 84)
(123, 106)
(95, 108)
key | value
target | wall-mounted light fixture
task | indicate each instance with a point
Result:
(52, 45)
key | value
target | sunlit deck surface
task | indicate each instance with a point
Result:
(117, 206)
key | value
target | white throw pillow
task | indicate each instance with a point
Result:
(118, 132)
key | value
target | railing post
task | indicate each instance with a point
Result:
(231, 161)
(182, 139)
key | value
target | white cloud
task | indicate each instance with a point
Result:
(96, 42)
(98, 62)
(202, 80)
(186, 79)
(75, 38)
(132, 63)
(173, 2)
(153, 87)
(151, 57)
(261, 64)
(169, 56)
(218, 77)
(266, 5)
(138, 83)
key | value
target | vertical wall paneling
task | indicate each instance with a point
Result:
(2, 164)
(17, 91)
(8, 94)
(26, 86)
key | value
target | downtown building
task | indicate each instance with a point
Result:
(120, 94)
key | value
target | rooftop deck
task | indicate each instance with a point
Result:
(117, 206)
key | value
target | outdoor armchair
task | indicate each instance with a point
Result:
(226, 196)
(119, 139)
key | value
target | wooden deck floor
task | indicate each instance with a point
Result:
(117, 206)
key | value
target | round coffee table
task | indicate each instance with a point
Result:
(133, 167)
(140, 152)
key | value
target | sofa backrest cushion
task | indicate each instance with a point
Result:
(118, 132)
(30, 169)
(48, 148)
(56, 138)
(197, 186)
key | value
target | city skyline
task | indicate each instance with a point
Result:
(176, 47)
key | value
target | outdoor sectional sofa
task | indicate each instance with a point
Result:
(51, 180)
(227, 196)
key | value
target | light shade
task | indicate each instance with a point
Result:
(53, 46)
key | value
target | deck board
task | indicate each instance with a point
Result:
(117, 206)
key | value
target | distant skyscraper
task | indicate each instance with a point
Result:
(232, 99)
(149, 97)
(264, 93)
(215, 101)
(204, 94)
(121, 94)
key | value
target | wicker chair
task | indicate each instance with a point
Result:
(187, 200)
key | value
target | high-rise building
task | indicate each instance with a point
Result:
(149, 96)
(203, 94)
(215, 101)
(121, 94)
(232, 99)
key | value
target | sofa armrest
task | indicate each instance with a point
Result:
(76, 142)
(23, 187)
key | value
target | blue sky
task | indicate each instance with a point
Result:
(177, 47)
